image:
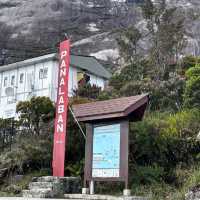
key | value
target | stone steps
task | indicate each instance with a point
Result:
(38, 185)
(47, 179)
(38, 193)
(49, 187)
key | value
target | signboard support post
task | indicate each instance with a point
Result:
(91, 187)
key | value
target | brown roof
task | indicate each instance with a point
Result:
(132, 107)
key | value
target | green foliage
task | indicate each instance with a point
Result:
(193, 72)
(14, 187)
(184, 124)
(192, 90)
(189, 61)
(75, 169)
(161, 143)
(35, 112)
(87, 91)
(30, 153)
(163, 94)
(146, 175)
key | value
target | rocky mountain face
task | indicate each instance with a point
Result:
(31, 28)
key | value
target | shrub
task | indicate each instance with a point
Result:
(87, 91)
(192, 90)
(29, 153)
(165, 142)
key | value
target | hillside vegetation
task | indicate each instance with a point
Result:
(164, 148)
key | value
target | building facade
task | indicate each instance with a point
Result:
(39, 77)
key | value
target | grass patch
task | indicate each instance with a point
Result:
(187, 178)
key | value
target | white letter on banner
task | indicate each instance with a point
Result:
(63, 54)
(60, 128)
(61, 109)
(63, 72)
(60, 91)
(63, 64)
(62, 82)
(61, 100)
(60, 119)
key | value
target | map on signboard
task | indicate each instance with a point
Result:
(106, 151)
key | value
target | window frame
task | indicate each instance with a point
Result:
(43, 73)
(21, 78)
(5, 81)
(12, 81)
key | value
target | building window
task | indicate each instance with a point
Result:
(21, 78)
(43, 73)
(5, 82)
(12, 80)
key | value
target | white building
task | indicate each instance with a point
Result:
(38, 77)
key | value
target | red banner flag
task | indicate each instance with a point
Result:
(61, 110)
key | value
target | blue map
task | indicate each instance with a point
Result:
(106, 151)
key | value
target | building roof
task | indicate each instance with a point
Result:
(127, 107)
(90, 64)
(86, 63)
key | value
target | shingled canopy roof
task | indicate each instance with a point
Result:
(127, 107)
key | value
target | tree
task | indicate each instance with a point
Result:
(192, 90)
(35, 112)
(166, 32)
(128, 43)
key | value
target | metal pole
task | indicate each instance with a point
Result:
(84, 135)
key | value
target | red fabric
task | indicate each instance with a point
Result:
(61, 110)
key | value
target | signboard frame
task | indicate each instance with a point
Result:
(124, 151)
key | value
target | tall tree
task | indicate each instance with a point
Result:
(166, 28)
(128, 42)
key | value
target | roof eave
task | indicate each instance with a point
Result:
(27, 62)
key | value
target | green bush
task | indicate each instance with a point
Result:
(192, 90)
(29, 153)
(165, 142)
(192, 93)
(146, 175)
(193, 72)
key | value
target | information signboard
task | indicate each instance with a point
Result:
(106, 151)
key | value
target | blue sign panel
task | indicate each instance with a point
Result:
(106, 151)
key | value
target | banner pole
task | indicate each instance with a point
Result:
(60, 125)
